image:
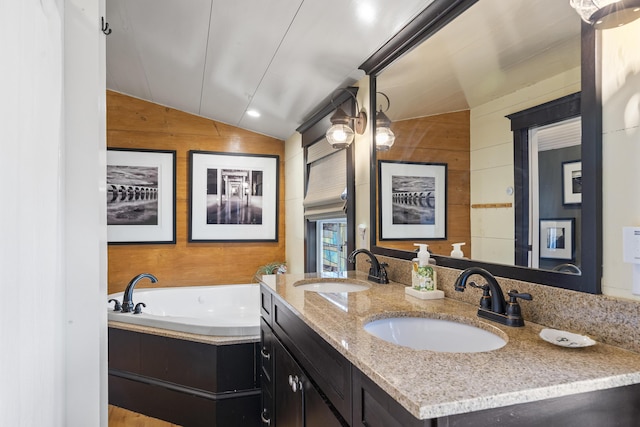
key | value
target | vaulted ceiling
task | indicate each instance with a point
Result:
(221, 58)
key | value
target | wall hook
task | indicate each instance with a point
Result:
(105, 27)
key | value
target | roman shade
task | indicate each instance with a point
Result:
(327, 182)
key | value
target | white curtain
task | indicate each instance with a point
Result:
(31, 319)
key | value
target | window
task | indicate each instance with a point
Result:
(332, 246)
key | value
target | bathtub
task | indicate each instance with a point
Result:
(222, 310)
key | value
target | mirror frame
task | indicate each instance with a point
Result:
(428, 22)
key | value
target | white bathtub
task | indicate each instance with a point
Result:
(223, 310)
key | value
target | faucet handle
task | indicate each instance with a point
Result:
(513, 308)
(485, 299)
(382, 274)
(117, 306)
(513, 294)
(138, 310)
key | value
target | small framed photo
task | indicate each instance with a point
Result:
(234, 197)
(412, 200)
(141, 196)
(557, 238)
(572, 182)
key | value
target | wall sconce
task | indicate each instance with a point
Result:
(340, 134)
(384, 135)
(604, 14)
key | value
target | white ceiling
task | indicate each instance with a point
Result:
(494, 48)
(220, 58)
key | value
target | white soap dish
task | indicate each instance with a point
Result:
(565, 339)
(437, 294)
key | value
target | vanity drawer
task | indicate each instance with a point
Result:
(325, 365)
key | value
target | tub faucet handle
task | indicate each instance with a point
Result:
(117, 306)
(138, 309)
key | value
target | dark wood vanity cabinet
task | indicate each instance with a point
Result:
(289, 396)
(332, 392)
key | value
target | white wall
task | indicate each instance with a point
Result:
(492, 163)
(294, 196)
(52, 251)
(363, 161)
(621, 151)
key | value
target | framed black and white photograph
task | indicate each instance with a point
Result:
(141, 196)
(412, 200)
(234, 197)
(557, 238)
(572, 182)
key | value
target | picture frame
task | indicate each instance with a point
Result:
(233, 197)
(557, 238)
(412, 200)
(141, 196)
(572, 182)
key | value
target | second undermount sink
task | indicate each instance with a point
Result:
(422, 333)
(332, 286)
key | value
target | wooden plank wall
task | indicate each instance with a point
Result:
(443, 138)
(133, 123)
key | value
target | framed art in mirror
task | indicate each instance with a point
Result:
(572, 183)
(557, 238)
(233, 197)
(141, 196)
(413, 200)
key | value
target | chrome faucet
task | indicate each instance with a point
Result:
(492, 302)
(127, 299)
(377, 272)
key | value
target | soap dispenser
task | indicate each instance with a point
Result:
(457, 252)
(423, 276)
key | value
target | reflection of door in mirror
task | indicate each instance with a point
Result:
(547, 146)
(552, 148)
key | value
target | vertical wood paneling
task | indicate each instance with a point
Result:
(444, 138)
(133, 123)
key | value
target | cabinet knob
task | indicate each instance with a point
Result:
(295, 383)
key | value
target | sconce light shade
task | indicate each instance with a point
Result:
(340, 134)
(384, 135)
(604, 14)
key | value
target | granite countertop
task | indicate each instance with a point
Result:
(187, 336)
(432, 384)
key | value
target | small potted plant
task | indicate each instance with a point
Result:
(272, 268)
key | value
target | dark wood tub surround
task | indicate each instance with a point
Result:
(184, 382)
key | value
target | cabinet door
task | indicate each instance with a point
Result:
(317, 411)
(266, 372)
(288, 393)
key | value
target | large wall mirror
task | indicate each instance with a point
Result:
(474, 85)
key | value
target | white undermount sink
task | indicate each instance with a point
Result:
(332, 286)
(423, 333)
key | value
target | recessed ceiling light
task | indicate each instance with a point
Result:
(253, 113)
(366, 12)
